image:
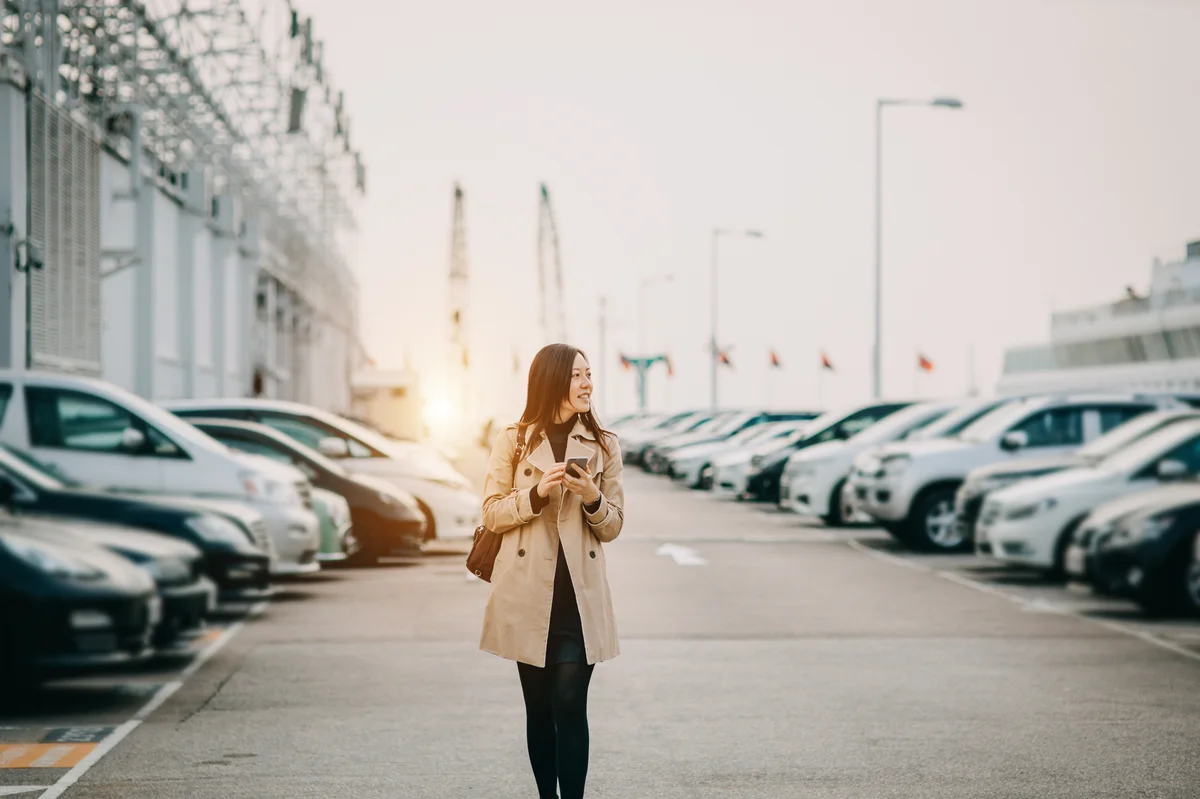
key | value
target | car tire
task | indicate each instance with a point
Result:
(835, 517)
(932, 525)
(706, 478)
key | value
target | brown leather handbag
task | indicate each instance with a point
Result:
(482, 557)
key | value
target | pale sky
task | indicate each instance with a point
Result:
(1073, 165)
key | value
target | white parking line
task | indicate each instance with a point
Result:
(1030, 605)
(160, 696)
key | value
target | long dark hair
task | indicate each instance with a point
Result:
(549, 385)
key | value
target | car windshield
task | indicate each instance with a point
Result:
(277, 446)
(30, 468)
(957, 420)
(895, 425)
(1152, 446)
(1123, 435)
(732, 422)
(990, 425)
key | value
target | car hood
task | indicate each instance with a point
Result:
(819, 452)
(1026, 466)
(271, 468)
(231, 508)
(118, 571)
(399, 495)
(112, 536)
(1051, 485)
(1160, 497)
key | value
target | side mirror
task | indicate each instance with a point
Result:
(1171, 469)
(132, 439)
(333, 447)
(1014, 440)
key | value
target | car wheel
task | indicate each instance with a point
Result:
(706, 478)
(835, 518)
(933, 525)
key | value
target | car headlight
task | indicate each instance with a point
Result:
(53, 560)
(1151, 528)
(165, 570)
(895, 465)
(1031, 509)
(261, 488)
(218, 530)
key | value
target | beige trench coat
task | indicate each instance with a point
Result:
(516, 622)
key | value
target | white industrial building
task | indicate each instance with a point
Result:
(177, 199)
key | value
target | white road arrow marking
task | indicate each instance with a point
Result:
(11, 790)
(684, 556)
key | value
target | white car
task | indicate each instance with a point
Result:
(1031, 523)
(909, 488)
(814, 477)
(451, 506)
(634, 442)
(692, 464)
(102, 435)
(949, 425)
(731, 470)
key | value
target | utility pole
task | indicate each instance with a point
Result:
(550, 276)
(604, 353)
(459, 360)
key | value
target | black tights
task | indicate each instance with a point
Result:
(556, 726)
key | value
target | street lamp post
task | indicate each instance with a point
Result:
(937, 102)
(716, 234)
(648, 281)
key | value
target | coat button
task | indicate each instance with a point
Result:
(528, 472)
(593, 553)
(521, 553)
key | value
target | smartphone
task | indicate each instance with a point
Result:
(577, 466)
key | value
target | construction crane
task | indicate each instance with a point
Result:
(550, 279)
(459, 358)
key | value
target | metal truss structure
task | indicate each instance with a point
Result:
(235, 91)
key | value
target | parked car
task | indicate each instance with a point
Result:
(635, 441)
(968, 502)
(766, 471)
(947, 426)
(687, 463)
(102, 435)
(67, 605)
(1100, 524)
(452, 508)
(232, 539)
(813, 477)
(685, 460)
(911, 489)
(338, 543)
(1153, 556)
(387, 520)
(186, 596)
(719, 425)
(1031, 523)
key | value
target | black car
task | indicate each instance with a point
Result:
(68, 605)
(968, 502)
(386, 520)
(188, 597)
(1150, 556)
(235, 554)
(766, 471)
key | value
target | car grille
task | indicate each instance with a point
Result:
(304, 488)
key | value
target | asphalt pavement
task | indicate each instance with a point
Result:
(762, 656)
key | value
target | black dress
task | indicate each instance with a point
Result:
(565, 641)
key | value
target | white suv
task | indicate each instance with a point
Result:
(909, 488)
(813, 477)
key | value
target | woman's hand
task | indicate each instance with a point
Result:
(551, 479)
(582, 486)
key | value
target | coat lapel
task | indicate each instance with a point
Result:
(542, 455)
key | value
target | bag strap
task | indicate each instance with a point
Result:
(519, 452)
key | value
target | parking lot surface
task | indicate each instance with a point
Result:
(762, 656)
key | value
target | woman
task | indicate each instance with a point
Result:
(550, 608)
